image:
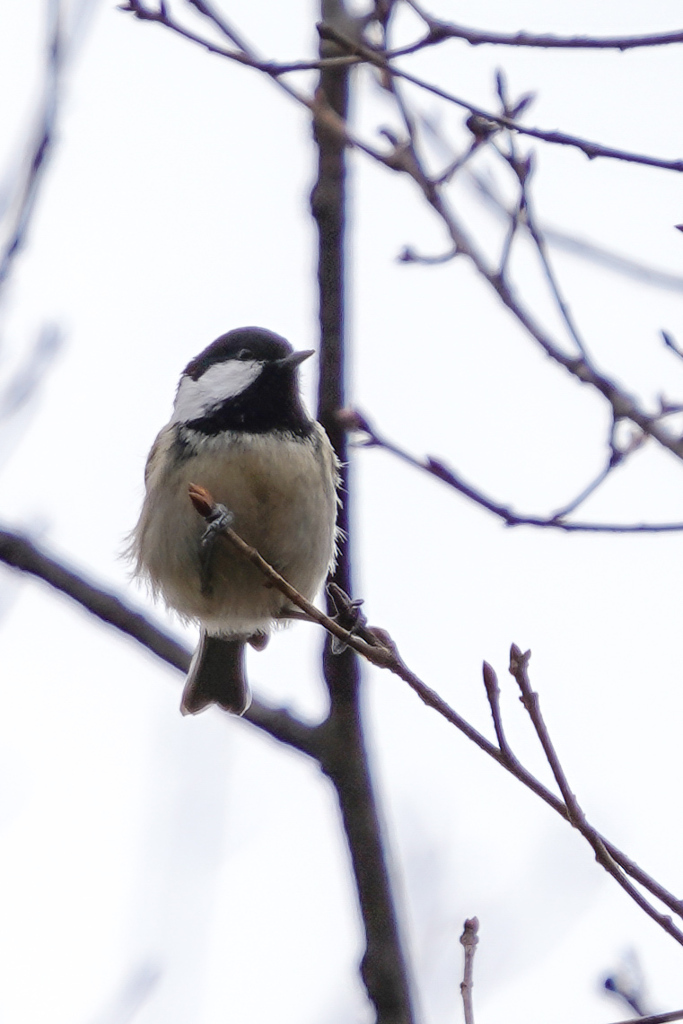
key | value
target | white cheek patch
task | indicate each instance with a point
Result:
(197, 398)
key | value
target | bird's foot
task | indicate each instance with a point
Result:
(348, 614)
(219, 518)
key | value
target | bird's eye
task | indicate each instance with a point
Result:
(245, 353)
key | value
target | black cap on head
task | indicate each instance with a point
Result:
(246, 380)
(255, 342)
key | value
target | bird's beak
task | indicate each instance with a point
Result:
(294, 358)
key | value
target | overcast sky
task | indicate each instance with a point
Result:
(191, 871)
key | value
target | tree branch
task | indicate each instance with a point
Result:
(357, 421)
(519, 669)
(582, 248)
(20, 553)
(383, 966)
(656, 1018)
(469, 942)
(41, 148)
(591, 149)
(440, 30)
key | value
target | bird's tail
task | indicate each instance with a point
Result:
(216, 676)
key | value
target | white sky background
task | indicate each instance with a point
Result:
(193, 868)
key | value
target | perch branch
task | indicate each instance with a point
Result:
(20, 553)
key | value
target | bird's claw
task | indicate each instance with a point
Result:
(348, 615)
(219, 518)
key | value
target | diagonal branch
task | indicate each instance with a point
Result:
(41, 149)
(356, 421)
(358, 53)
(390, 658)
(404, 159)
(519, 669)
(440, 30)
(656, 1018)
(582, 247)
(591, 149)
(20, 553)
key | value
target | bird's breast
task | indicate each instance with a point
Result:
(281, 489)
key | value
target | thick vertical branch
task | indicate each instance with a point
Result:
(344, 758)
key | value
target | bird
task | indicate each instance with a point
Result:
(240, 430)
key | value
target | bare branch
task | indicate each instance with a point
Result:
(581, 247)
(372, 648)
(20, 553)
(469, 941)
(589, 489)
(25, 381)
(627, 985)
(613, 857)
(383, 965)
(623, 405)
(359, 53)
(656, 1018)
(522, 169)
(519, 669)
(493, 695)
(591, 149)
(356, 421)
(40, 151)
(245, 56)
(672, 344)
(440, 30)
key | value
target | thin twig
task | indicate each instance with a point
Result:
(584, 249)
(356, 421)
(519, 669)
(516, 216)
(440, 30)
(469, 940)
(373, 650)
(591, 149)
(359, 54)
(523, 169)
(493, 694)
(246, 56)
(41, 149)
(389, 658)
(589, 489)
(20, 553)
(672, 344)
(623, 405)
(617, 457)
(656, 1018)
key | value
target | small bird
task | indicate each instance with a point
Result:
(240, 430)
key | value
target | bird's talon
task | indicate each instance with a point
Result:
(220, 518)
(348, 615)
